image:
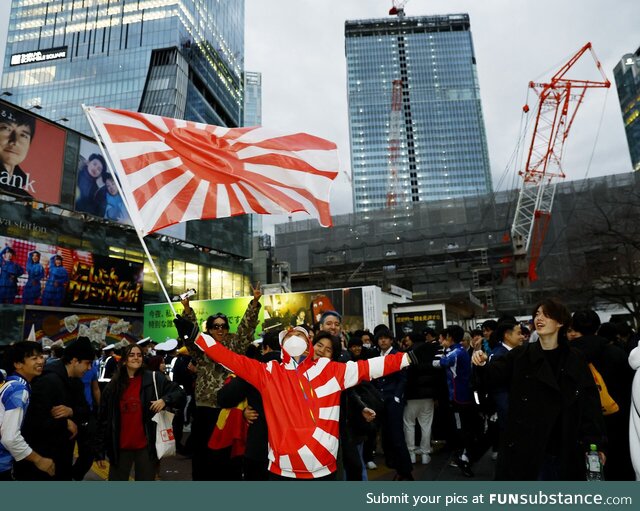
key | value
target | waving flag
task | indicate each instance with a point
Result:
(172, 170)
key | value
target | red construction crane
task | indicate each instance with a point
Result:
(558, 103)
(395, 192)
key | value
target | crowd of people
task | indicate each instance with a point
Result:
(318, 403)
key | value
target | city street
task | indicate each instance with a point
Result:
(178, 468)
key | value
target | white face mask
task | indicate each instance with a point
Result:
(366, 346)
(295, 346)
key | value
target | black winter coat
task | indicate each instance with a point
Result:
(47, 436)
(537, 401)
(108, 437)
(424, 380)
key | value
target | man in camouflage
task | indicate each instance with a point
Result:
(208, 464)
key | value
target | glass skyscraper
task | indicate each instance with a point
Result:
(252, 98)
(426, 140)
(177, 58)
(627, 76)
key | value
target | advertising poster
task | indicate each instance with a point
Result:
(96, 191)
(100, 328)
(42, 274)
(278, 311)
(415, 318)
(106, 283)
(31, 156)
(158, 318)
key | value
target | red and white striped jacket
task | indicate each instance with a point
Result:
(302, 403)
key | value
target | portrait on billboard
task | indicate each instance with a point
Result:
(96, 190)
(31, 156)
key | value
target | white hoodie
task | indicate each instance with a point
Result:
(634, 420)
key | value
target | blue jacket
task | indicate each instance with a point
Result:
(14, 400)
(458, 365)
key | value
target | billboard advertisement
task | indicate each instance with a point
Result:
(31, 156)
(277, 311)
(34, 273)
(99, 327)
(158, 318)
(96, 191)
(406, 319)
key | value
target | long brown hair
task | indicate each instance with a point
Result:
(120, 379)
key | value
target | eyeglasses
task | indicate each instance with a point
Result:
(219, 326)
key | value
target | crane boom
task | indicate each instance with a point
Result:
(394, 194)
(558, 103)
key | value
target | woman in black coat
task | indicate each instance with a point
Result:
(554, 407)
(127, 432)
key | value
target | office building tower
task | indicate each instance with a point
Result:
(174, 58)
(415, 117)
(165, 57)
(627, 76)
(253, 117)
(252, 98)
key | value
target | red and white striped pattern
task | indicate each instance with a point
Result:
(302, 404)
(173, 171)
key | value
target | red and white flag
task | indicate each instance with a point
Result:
(172, 171)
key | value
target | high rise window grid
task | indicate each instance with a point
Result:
(440, 103)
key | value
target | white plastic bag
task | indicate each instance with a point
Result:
(165, 441)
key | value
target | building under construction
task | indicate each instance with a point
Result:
(461, 249)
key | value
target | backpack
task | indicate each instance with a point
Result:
(607, 403)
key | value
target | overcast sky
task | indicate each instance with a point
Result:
(298, 46)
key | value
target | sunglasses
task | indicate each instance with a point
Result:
(217, 326)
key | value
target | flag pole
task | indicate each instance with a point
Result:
(139, 230)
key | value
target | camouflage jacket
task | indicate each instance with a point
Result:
(211, 376)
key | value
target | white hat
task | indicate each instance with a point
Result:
(144, 341)
(168, 345)
(300, 329)
(109, 347)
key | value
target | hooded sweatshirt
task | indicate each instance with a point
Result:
(302, 403)
(634, 420)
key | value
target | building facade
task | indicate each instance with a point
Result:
(253, 117)
(104, 278)
(252, 98)
(627, 77)
(460, 251)
(415, 117)
(165, 57)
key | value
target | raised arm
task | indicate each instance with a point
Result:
(244, 367)
(247, 328)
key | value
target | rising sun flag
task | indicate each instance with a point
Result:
(172, 171)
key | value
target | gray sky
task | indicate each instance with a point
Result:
(298, 46)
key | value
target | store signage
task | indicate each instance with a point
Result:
(17, 59)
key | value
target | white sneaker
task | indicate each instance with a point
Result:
(426, 459)
(371, 465)
(412, 455)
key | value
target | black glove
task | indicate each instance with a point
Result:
(423, 354)
(187, 331)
